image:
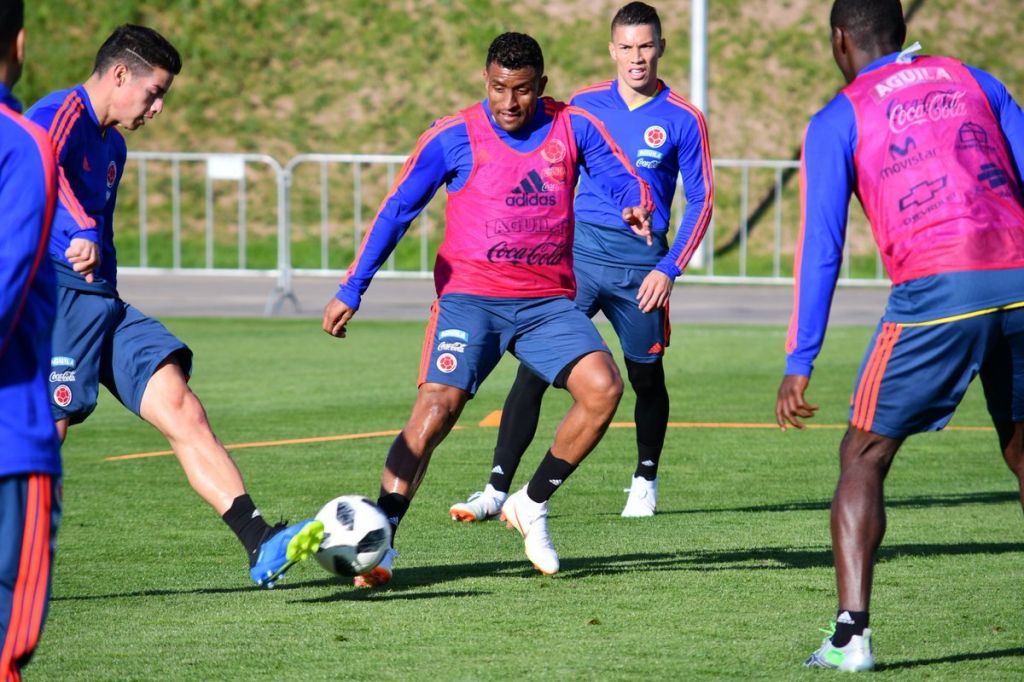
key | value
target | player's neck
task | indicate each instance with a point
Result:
(99, 98)
(635, 98)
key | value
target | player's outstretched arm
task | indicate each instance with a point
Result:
(84, 256)
(790, 404)
(655, 291)
(336, 317)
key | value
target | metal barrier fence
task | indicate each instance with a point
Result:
(309, 217)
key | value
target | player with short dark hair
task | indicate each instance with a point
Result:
(503, 276)
(30, 465)
(98, 338)
(616, 272)
(934, 150)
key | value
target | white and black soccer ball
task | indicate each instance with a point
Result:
(357, 535)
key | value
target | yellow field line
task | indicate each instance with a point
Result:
(494, 418)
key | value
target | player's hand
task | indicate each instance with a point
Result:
(639, 220)
(790, 405)
(84, 256)
(336, 316)
(655, 291)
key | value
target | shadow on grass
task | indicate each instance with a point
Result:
(768, 558)
(915, 502)
(958, 658)
(415, 578)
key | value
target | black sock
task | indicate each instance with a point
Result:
(848, 624)
(650, 415)
(519, 419)
(647, 460)
(245, 520)
(394, 507)
(551, 473)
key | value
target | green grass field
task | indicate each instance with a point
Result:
(730, 580)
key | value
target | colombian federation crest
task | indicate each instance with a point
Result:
(655, 136)
(62, 395)
(111, 174)
(553, 151)
(447, 363)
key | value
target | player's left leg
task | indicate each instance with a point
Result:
(30, 508)
(562, 345)
(644, 337)
(147, 370)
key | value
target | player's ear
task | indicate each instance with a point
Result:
(120, 73)
(611, 49)
(541, 85)
(19, 47)
(661, 47)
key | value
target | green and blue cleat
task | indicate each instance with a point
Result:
(285, 548)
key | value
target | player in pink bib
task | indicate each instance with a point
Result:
(934, 151)
(504, 276)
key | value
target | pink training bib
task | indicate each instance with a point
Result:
(933, 171)
(509, 229)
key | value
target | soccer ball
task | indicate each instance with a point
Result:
(357, 535)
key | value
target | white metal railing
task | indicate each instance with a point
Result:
(319, 204)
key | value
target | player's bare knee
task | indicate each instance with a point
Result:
(864, 450)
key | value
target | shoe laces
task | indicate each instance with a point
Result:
(831, 629)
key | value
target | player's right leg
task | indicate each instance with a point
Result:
(1002, 378)
(519, 419)
(465, 337)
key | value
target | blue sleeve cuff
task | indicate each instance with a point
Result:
(90, 234)
(798, 367)
(348, 297)
(668, 268)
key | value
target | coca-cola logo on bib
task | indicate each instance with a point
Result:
(938, 105)
(545, 253)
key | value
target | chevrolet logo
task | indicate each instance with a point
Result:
(922, 193)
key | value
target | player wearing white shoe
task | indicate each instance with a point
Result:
(503, 275)
(616, 273)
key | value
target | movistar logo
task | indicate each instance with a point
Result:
(531, 191)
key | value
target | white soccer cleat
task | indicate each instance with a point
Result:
(855, 657)
(643, 498)
(531, 520)
(379, 574)
(480, 506)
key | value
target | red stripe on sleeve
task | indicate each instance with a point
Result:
(707, 172)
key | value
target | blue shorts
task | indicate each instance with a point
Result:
(613, 291)
(99, 339)
(914, 376)
(467, 335)
(30, 507)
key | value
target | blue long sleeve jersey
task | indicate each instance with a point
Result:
(443, 157)
(28, 297)
(829, 179)
(663, 138)
(90, 164)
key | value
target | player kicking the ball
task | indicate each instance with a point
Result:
(503, 275)
(98, 338)
(950, 229)
(616, 272)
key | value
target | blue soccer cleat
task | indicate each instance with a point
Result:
(284, 549)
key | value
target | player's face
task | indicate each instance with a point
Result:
(139, 96)
(636, 50)
(512, 95)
